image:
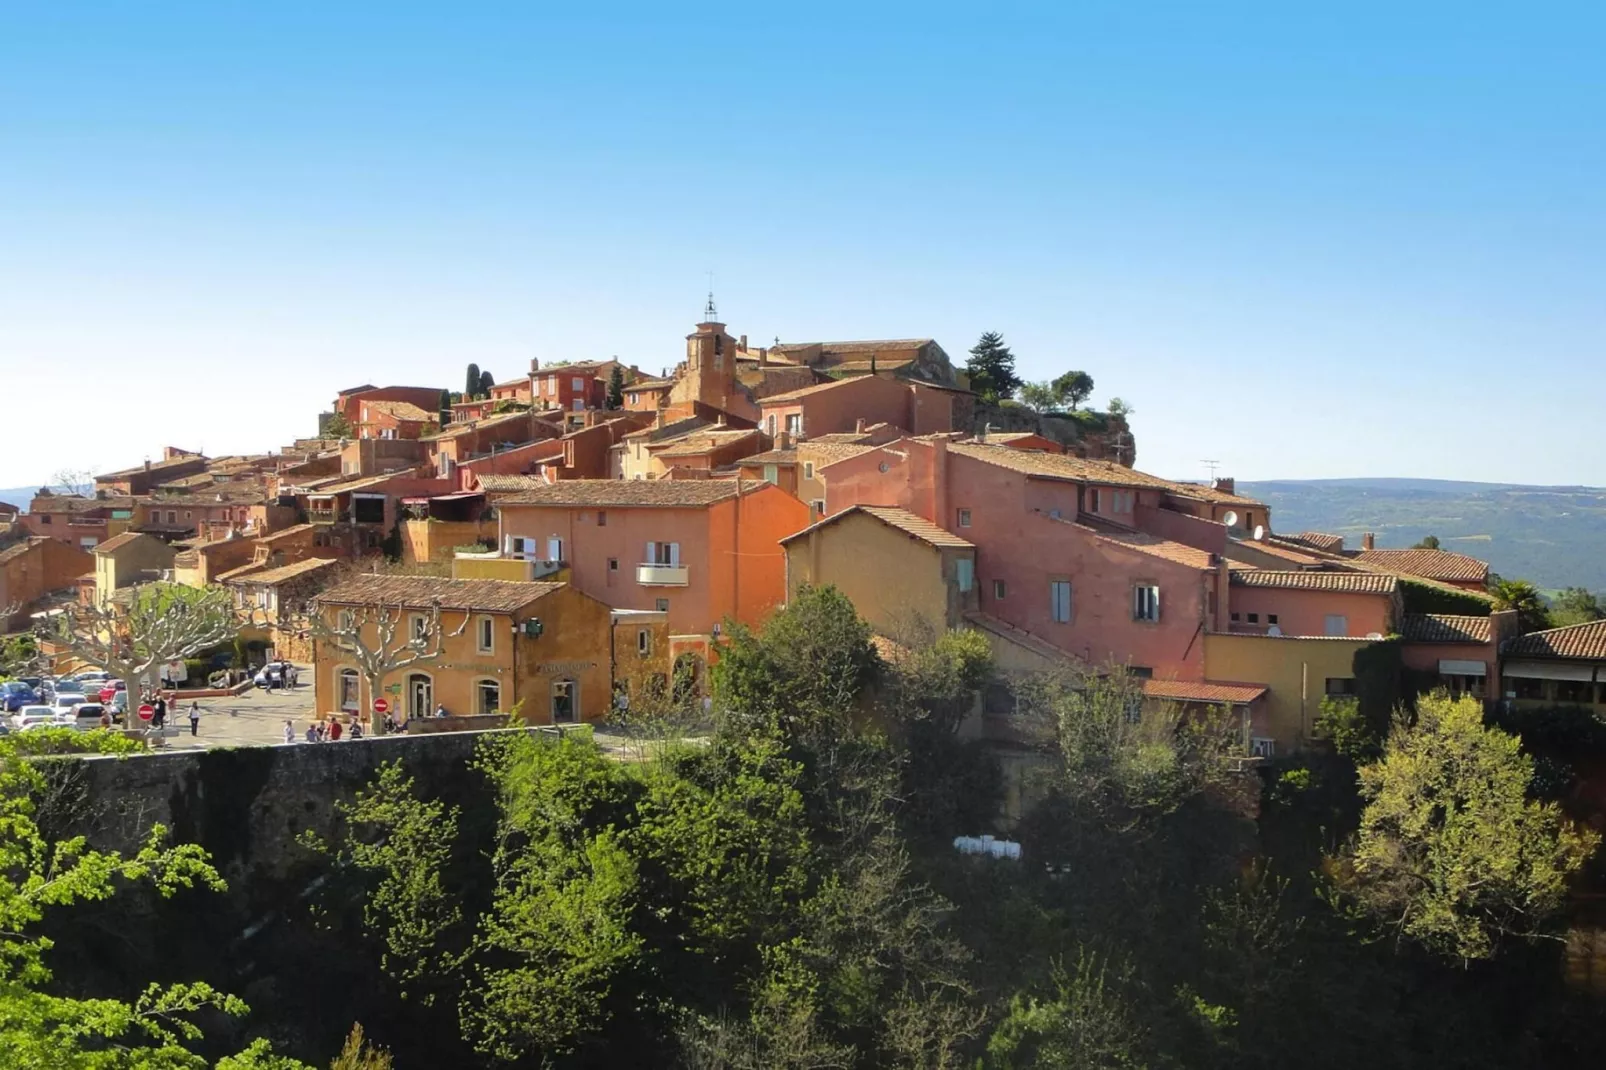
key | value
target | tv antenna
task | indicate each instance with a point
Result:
(1212, 465)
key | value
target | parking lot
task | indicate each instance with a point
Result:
(253, 718)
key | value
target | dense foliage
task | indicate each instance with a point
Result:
(780, 887)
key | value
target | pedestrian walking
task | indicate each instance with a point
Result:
(289, 732)
(334, 731)
(195, 718)
(356, 728)
(159, 718)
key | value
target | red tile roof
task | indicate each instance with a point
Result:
(1430, 564)
(117, 542)
(1343, 582)
(656, 493)
(1058, 466)
(1140, 541)
(1586, 641)
(1203, 691)
(420, 592)
(1322, 541)
(1445, 628)
(894, 517)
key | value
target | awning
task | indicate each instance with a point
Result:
(1549, 670)
(1454, 667)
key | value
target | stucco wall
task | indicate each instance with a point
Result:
(892, 578)
(1295, 670)
(1302, 612)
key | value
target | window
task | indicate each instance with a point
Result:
(1522, 687)
(772, 473)
(579, 404)
(485, 636)
(769, 425)
(1341, 685)
(644, 642)
(663, 605)
(1336, 624)
(964, 518)
(189, 514)
(1146, 603)
(1263, 747)
(1575, 691)
(663, 553)
(794, 424)
(1093, 499)
(487, 696)
(348, 688)
(1271, 618)
(1059, 600)
(965, 573)
(551, 384)
(1123, 501)
(613, 564)
(1254, 618)
(808, 469)
(577, 383)
(818, 505)
(1235, 617)
(172, 516)
(635, 398)
(44, 519)
(602, 518)
(554, 549)
(1140, 672)
(418, 627)
(344, 620)
(998, 590)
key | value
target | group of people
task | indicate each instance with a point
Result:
(158, 702)
(330, 731)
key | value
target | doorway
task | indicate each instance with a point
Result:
(565, 702)
(420, 696)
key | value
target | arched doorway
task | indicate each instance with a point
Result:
(420, 695)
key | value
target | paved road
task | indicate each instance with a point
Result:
(255, 717)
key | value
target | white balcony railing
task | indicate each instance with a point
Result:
(662, 575)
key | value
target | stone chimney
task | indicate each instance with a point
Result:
(147, 464)
(535, 365)
(939, 482)
(1368, 541)
(658, 420)
(783, 440)
(1225, 484)
(741, 343)
(763, 357)
(858, 426)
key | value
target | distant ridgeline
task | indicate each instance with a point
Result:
(1553, 536)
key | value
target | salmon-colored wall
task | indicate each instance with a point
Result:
(838, 408)
(1181, 527)
(1425, 657)
(1305, 612)
(747, 532)
(511, 462)
(426, 398)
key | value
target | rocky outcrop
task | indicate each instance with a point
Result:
(1096, 436)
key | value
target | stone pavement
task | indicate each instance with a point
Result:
(251, 719)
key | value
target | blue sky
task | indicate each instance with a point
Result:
(1362, 241)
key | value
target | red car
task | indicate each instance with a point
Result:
(111, 688)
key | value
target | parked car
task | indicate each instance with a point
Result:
(14, 695)
(65, 703)
(34, 717)
(93, 676)
(273, 671)
(118, 706)
(86, 716)
(111, 688)
(66, 685)
(35, 682)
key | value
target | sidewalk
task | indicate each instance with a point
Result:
(251, 719)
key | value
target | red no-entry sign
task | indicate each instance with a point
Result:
(146, 712)
(381, 705)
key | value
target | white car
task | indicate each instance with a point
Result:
(85, 718)
(35, 717)
(65, 703)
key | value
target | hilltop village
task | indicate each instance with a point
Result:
(578, 536)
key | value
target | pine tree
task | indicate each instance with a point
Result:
(471, 384)
(992, 368)
(446, 407)
(487, 380)
(616, 388)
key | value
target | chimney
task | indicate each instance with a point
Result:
(858, 426)
(741, 343)
(658, 420)
(783, 441)
(763, 357)
(535, 365)
(1368, 541)
(147, 464)
(1225, 484)
(939, 482)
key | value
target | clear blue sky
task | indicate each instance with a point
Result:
(1362, 241)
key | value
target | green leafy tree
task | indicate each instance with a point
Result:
(1117, 407)
(1575, 605)
(1073, 388)
(992, 368)
(1524, 597)
(471, 382)
(1451, 852)
(1039, 397)
(1086, 1024)
(336, 426)
(616, 388)
(1427, 542)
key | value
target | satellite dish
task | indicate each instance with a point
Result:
(1230, 518)
(1274, 629)
(1260, 533)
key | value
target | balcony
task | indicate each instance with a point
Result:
(663, 575)
(327, 516)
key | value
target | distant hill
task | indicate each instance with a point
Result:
(1554, 536)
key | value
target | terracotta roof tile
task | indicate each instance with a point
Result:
(770, 457)
(1140, 541)
(695, 445)
(1343, 582)
(1203, 691)
(1210, 494)
(874, 345)
(117, 542)
(807, 391)
(11, 553)
(505, 484)
(1574, 641)
(496, 420)
(281, 573)
(420, 592)
(894, 517)
(1020, 636)
(1429, 564)
(400, 410)
(655, 493)
(1322, 541)
(831, 452)
(285, 533)
(1445, 628)
(1058, 466)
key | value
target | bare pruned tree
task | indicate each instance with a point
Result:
(154, 624)
(79, 481)
(379, 639)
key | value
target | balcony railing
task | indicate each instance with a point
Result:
(663, 575)
(327, 516)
